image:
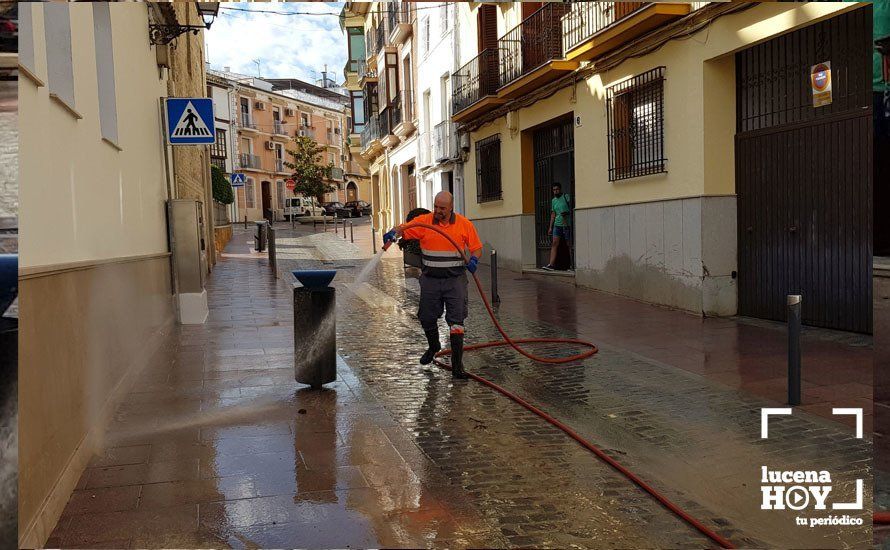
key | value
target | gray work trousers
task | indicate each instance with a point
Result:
(448, 294)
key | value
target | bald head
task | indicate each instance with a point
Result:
(443, 206)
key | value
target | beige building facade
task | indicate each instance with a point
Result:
(266, 119)
(95, 266)
(637, 124)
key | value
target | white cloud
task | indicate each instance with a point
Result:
(295, 46)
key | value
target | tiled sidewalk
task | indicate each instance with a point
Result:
(217, 446)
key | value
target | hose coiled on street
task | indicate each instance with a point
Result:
(514, 343)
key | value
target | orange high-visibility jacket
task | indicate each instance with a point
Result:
(440, 259)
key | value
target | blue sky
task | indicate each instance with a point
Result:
(286, 45)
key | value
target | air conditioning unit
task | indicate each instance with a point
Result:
(259, 106)
(270, 146)
(289, 112)
(337, 131)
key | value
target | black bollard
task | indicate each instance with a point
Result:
(794, 349)
(315, 336)
(273, 255)
(261, 235)
(374, 240)
(245, 222)
(344, 230)
(494, 278)
(351, 233)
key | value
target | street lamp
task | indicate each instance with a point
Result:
(164, 34)
(208, 12)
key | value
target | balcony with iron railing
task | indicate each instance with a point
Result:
(444, 144)
(306, 131)
(250, 162)
(247, 124)
(366, 73)
(531, 53)
(474, 86)
(371, 133)
(405, 124)
(398, 18)
(279, 130)
(385, 120)
(280, 167)
(592, 29)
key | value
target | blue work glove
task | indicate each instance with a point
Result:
(390, 236)
(472, 264)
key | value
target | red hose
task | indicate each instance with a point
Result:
(507, 341)
(881, 518)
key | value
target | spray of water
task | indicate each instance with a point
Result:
(369, 268)
(247, 412)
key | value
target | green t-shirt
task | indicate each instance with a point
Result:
(560, 206)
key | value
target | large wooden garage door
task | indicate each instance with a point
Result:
(804, 177)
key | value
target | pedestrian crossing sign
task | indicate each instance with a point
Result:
(190, 121)
(237, 180)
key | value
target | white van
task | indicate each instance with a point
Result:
(301, 206)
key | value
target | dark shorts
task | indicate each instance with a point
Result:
(448, 294)
(564, 233)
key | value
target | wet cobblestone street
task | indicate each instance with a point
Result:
(216, 445)
(695, 441)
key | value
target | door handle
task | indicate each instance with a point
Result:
(793, 229)
(749, 229)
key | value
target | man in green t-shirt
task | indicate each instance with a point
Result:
(560, 222)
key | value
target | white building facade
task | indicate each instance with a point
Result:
(439, 156)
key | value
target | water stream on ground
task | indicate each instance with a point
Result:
(369, 268)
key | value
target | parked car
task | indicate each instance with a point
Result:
(301, 206)
(354, 209)
(330, 208)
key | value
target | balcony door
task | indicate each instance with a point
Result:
(487, 26)
(529, 8)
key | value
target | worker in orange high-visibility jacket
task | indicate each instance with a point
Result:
(443, 281)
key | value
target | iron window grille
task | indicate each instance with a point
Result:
(488, 169)
(635, 112)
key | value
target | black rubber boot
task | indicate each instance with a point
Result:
(432, 336)
(457, 357)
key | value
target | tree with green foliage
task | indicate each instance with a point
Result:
(222, 189)
(309, 172)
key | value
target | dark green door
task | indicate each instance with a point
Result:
(554, 149)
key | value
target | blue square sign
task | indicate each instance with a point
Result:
(190, 121)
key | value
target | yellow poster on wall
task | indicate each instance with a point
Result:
(820, 80)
